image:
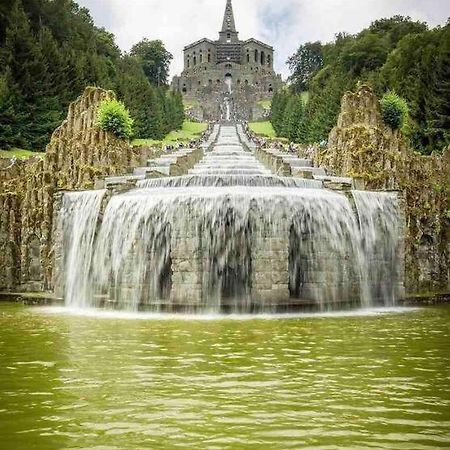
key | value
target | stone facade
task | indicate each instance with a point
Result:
(361, 146)
(214, 68)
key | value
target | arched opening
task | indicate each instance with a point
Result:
(248, 56)
(269, 60)
(195, 60)
(201, 56)
(270, 88)
(246, 82)
(256, 55)
(263, 58)
(188, 62)
(209, 56)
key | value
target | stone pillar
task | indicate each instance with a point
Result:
(270, 266)
(186, 257)
(58, 247)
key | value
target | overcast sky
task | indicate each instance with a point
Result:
(285, 24)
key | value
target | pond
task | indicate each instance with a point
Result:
(350, 381)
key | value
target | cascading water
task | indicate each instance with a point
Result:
(379, 222)
(232, 236)
(79, 215)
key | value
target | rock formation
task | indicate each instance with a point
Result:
(361, 146)
(78, 153)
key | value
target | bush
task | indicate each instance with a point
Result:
(394, 110)
(114, 117)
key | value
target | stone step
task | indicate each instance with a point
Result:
(313, 170)
(342, 180)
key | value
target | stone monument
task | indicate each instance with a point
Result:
(225, 79)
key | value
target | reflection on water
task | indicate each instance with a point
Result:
(367, 380)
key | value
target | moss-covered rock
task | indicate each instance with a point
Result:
(361, 146)
(78, 153)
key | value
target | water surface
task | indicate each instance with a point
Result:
(377, 381)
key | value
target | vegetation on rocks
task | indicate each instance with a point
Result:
(396, 54)
(394, 110)
(51, 50)
(114, 117)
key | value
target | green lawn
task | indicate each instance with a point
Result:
(262, 129)
(190, 130)
(19, 153)
(188, 104)
(266, 104)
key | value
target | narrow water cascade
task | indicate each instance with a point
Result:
(231, 236)
(380, 228)
(79, 217)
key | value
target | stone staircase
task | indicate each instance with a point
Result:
(289, 165)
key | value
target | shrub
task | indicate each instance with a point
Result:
(394, 110)
(113, 116)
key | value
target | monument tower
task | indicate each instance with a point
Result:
(227, 70)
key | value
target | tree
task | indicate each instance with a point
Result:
(50, 50)
(304, 64)
(293, 116)
(155, 60)
(279, 102)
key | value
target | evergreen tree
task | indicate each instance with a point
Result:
(50, 50)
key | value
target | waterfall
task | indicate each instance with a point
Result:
(79, 215)
(227, 115)
(231, 236)
(229, 83)
(230, 180)
(379, 222)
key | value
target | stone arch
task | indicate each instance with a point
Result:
(256, 55)
(263, 58)
(269, 60)
(248, 56)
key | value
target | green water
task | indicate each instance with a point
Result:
(362, 382)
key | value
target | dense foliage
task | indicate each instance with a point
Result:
(50, 50)
(394, 110)
(395, 54)
(113, 116)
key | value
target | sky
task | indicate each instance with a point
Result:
(284, 24)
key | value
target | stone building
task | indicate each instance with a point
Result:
(227, 71)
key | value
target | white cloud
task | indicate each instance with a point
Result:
(285, 24)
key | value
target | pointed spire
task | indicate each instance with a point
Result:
(228, 19)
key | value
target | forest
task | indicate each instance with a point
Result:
(396, 55)
(50, 50)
